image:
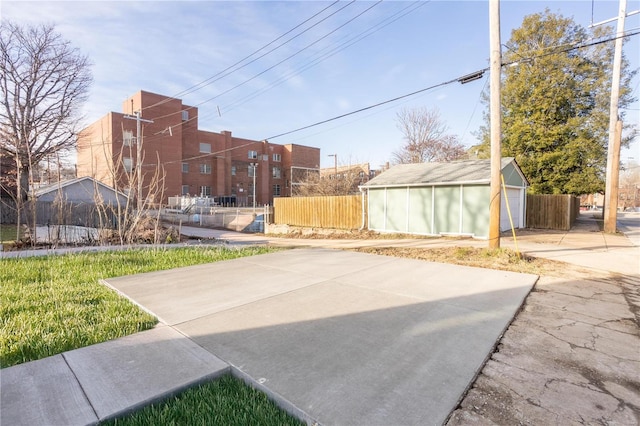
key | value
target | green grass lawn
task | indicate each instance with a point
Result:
(53, 304)
(226, 401)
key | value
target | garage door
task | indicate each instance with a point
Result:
(513, 195)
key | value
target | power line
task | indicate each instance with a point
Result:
(291, 56)
(458, 79)
(632, 32)
(210, 80)
(359, 37)
(375, 105)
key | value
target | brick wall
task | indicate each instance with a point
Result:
(173, 139)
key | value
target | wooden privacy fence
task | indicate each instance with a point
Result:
(552, 211)
(339, 212)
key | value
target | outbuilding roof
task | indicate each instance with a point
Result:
(454, 172)
(54, 187)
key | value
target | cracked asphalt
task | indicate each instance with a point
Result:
(571, 356)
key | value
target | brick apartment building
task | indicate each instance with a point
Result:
(194, 162)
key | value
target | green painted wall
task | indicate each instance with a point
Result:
(420, 210)
(511, 176)
(447, 209)
(413, 210)
(475, 210)
(376, 209)
(396, 209)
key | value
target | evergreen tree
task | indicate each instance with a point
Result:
(555, 104)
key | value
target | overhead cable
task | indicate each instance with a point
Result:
(219, 74)
(462, 79)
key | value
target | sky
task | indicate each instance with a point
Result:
(342, 57)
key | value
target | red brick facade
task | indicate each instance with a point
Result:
(193, 161)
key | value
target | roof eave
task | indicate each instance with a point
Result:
(404, 185)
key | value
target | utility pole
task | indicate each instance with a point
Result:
(613, 149)
(255, 167)
(495, 122)
(139, 120)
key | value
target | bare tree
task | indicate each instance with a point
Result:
(318, 184)
(426, 138)
(44, 82)
(122, 222)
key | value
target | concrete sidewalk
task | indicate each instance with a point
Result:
(335, 337)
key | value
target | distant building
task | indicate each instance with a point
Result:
(193, 162)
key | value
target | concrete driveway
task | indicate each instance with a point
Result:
(341, 337)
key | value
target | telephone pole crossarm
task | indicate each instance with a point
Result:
(139, 121)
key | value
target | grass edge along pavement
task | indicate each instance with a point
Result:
(53, 304)
(224, 401)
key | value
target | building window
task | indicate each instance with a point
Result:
(252, 170)
(185, 167)
(205, 148)
(185, 189)
(128, 164)
(127, 138)
(276, 172)
(233, 170)
(276, 190)
(185, 115)
(253, 155)
(205, 169)
(205, 191)
(277, 158)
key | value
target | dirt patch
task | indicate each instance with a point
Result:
(343, 234)
(502, 259)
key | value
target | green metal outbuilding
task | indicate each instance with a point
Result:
(444, 198)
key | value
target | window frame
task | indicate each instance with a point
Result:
(205, 169)
(127, 164)
(127, 138)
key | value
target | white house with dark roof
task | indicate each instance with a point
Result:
(444, 198)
